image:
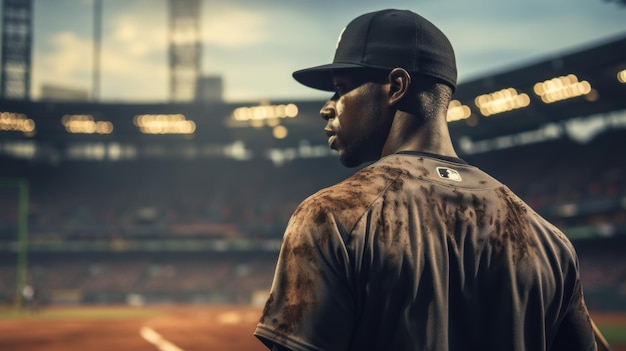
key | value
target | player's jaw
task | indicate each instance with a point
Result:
(356, 126)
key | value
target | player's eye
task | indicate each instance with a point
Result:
(338, 89)
(341, 89)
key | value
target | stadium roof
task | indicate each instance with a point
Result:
(599, 65)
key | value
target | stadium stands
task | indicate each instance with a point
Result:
(579, 187)
(571, 184)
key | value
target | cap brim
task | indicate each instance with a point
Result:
(321, 77)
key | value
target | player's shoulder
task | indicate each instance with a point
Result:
(350, 198)
(354, 193)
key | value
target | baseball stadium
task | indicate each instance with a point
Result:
(157, 225)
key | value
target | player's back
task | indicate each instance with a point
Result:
(416, 252)
(451, 259)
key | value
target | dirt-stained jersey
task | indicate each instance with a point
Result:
(416, 252)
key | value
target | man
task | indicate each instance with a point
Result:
(418, 250)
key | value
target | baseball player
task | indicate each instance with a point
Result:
(418, 250)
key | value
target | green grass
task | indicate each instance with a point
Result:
(81, 313)
(614, 333)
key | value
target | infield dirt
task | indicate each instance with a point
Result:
(186, 328)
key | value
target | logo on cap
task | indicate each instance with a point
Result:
(449, 173)
(339, 39)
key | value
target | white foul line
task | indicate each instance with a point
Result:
(155, 338)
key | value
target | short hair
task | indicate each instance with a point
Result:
(427, 96)
(437, 87)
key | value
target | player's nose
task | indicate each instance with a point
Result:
(328, 110)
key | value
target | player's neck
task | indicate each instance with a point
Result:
(407, 134)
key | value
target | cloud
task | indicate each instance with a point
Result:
(235, 28)
(134, 60)
(68, 64)
(133, 43)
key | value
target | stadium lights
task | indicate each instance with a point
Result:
(501, 101)
(18, 122)
(164, 124)
(270, 114)
(561, 88)
(279, 132)
(85, 124)
(621, 76)
(457, 111)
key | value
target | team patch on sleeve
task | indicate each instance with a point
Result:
(449, 173)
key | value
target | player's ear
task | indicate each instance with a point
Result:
(399, 82)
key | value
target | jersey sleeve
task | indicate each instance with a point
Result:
(310, 306)
(575, 331)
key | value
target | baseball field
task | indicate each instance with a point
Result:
(167, 328)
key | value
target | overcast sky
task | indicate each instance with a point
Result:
(256, 44)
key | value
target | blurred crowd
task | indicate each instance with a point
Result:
(580, 188)
(572, 185)
(209, 197)
(114, 278)
(231, 277)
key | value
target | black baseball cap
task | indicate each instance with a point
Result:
(387, 39)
